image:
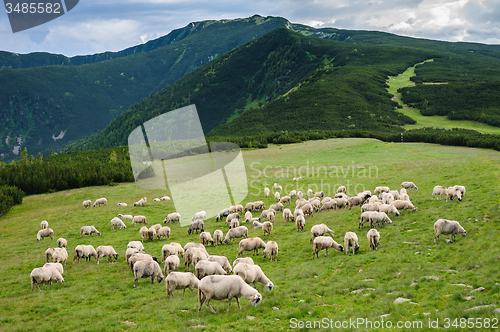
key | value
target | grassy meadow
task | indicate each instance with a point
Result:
(337, 287)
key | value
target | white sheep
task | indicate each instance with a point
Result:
(87, 203)
(57, 266)
(252, 274)
(223, 261)
(180, 280)
(374, 200)
(139, 257)
(142, 202)
(268, 214)
(147, 269)
(173, 248)
(144, 231)
(248, 216)
(172, 263)
(277, 196)
(267, 191)
(267, 226)
(117, 223)
(439, 191)
(404, 197)
(319, 230)
(370, 207)
(300, 194)
(84, 251)
(325, 242)
(462, 190)
(122, 204)
(234, 223)
(100, 201)
(404, 205)
(130, 251)
(106, 251)
(156, 199)
(293, 193)
(387, 198)
(300, 222)
(287, 215)
(277, 206)
(394, 194)
(453, 193)
(205, 238)
(251, 244)
(172, 217)
(259, 205)
(285, 199)
(125, 216)
(163, 232)
(271, 250)
(139, 220)
(232, 216)
(373, 237)
(222, 213)
(165, 198)
(379, 190)
(278, 187)
(205, 267)
(196, 245)
(247, 260)
(47, 232)
(309, 193)
(88, 230)
(249, 207)
(379, 218)
(238, 208)
(44, 224)
(62, 242)
(218, 237)
(196, 225)
(341, 202)
(307, 209)
(192, 256)
(235, 233)
(136, 244)
(403, 191)
(354, 201)
(297, 178)
(351, 241)
(43, 275)
(225, 287)
(409, 185)
(388, 209)
(341, 189)
(447, 227)
(60, 255)
(330, 204)
(202, 215)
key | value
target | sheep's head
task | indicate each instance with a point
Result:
(269, 286)
(256, 299)
(159, 278)
(341, 248)
(463, 232)
(355, 248)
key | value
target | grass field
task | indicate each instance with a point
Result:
(337, 287)
(403, 80)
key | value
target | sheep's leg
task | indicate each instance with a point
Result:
(210, 307)
(228, 305)
(326, 252)
(238, 301)
(436, 237)
(152, 280)
(135, 282)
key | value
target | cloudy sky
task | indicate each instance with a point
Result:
(95, 26)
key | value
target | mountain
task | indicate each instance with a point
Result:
(45, 107)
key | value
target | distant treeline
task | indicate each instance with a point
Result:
(9, 196)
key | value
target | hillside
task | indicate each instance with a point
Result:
(436, 278)
(47, 107)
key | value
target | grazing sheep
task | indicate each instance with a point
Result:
(374, 200)
(222, 214)
(300, 222)
(394, 194)
(205, 268)
(43, 275)
(315, 203)
(225, 287)
(152, 232)
(287, 215)
(341, 202)
(270, 251)
(172, 263)
(373, 237)
(248, 216)
(341, 195)
(62, 242)
(293, 193)
(409, 185)
(404, 205)
(172, 217)
(136, 244)
(307, 209)
(87, 203)
(195, 226)
(387, 198)
(277, 187)
(439, 191)
(379, 218)
(300, 194)
(130, 251)
(285, 199)
(309, 193)
(88, 230)
(267, 214)
(351, 241)
(370, 207)
(247, 260)
(267, 226)
(100, 201)
(201, 215)
(156, 199)
(180, 280)
(447, 227)
(57, 266)
(48, 254)
(325, 199)
(325, 242)
(319, 194)
(223, 261)
(125, 216)
(252, 274)
(84, 251)
(267, 191)
(205, 238)
(165, 198)
(173, 248)
(117, 223)
(47, 232)
(297, 212)
(277, 206)
(319, 230)
(379, 190)
(355, 200)
(144, 231)
(231, 217)
(249, 207)
(329, 205)
(388, 209)
(147, 269)
(234, 223)
(300, 202)
(403, 191)
(106, 251)
(462, 190)
(163, 232)
(192, 256)
(218, 237)
(235, 233)
(341, 189)
(137, 257)
(259, 205)
(44, 224)
(277, 196)
(139, 220)
(122, 204)
(196, 245)
(297, 179)
(453, 193)
(238, 208)
(251, 244)
(58, 255)
(142, 202)
(365, 217)
(404, 197)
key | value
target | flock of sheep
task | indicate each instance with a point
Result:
(211, 274)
